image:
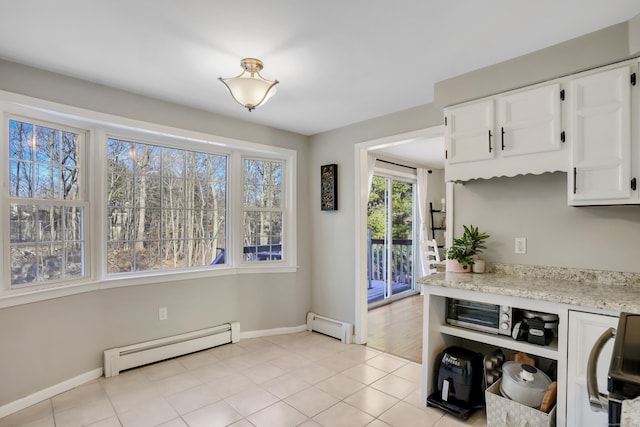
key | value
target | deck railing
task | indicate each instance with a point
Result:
(401, 260)
(272, 252)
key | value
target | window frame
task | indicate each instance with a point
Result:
(98, 127)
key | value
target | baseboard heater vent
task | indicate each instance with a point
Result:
(333, 328)
(131, 356)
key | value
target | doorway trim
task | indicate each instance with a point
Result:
(361, 150)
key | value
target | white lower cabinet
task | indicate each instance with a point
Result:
(584, 330)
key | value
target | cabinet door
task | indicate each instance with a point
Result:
(469, 132)
(530, 121)
(601, 138)
(584, 330)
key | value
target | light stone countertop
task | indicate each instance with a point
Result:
(611, 291)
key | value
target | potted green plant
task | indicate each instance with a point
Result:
(459, 259)
(464, 251)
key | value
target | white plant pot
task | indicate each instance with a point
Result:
(478, 266)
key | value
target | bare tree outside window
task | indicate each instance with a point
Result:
(47, 207)
(166, 207)
(263, 210)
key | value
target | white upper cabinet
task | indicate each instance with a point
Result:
(530, 121)
(469, 132)
(601, 161)
(515, 133)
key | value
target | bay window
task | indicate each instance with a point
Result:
(144, 204)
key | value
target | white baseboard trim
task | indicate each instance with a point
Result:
(271, 332)
(49, 392)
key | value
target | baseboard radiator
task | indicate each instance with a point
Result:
(131, 356)
(333, 328)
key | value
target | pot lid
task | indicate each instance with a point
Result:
(525, 376)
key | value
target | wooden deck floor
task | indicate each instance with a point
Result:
(376, 292)
(396, 328)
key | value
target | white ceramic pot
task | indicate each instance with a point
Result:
(524, 383)
(478, 266)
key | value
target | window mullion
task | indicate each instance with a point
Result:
(96, 185)
(235, 215)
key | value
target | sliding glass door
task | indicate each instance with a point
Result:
(391, 236)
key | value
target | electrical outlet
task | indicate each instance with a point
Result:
(521, 245)
(162, 313)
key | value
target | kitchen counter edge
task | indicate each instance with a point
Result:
(603, 293)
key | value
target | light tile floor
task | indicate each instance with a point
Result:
(304, 379)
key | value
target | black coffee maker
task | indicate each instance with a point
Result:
(458, 380)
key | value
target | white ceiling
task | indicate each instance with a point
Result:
(416, 152)
(339, 62)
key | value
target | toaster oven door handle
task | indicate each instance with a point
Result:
(599, 401)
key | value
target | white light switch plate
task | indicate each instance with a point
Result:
(521, 245)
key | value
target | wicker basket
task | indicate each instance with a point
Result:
(503, 412)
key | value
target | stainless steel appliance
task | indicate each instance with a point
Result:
(496, 319)
(624, 371)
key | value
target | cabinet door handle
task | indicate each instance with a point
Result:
(490, 140)
(575, 175)
(502, 129)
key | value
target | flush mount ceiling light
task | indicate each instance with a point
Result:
(249, 88)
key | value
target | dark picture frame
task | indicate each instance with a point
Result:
(329, 187)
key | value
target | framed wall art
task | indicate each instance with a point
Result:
(329, 187)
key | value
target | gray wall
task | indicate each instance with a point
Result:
(48, 342)
(333, 238)
(436, 187)
(436, 191)
(535, 207)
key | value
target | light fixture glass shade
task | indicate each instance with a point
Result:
(249, 88)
